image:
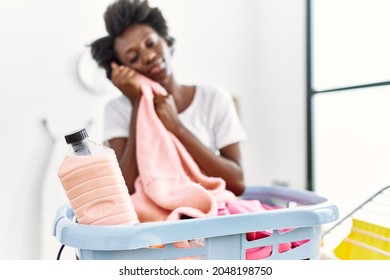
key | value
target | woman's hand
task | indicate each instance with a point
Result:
(127, 80)
(167, 112)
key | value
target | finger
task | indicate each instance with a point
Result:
(159, 99)
(119, 73)
(125, 75)
(115, 75)
(129, 72)
(115, 70)
(170, 98)
(114, 65)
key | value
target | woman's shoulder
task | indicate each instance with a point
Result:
(213, 92)
(118, 102)
(118, 107)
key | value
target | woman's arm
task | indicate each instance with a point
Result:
(227, 165)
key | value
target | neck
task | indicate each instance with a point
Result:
(170, 85)
(181, 94)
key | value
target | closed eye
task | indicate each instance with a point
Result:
(151, 41)
(133, 58)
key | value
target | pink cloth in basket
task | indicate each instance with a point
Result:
(247, 206)
(170, 183)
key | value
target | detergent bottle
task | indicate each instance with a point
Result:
(93, 182)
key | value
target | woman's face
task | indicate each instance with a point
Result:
(141, 48)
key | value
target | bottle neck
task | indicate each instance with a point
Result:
(81, 148)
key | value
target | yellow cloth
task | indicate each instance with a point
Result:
(366, 241)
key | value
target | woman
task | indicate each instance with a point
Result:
(202, 117)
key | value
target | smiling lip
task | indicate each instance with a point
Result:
(157, 67)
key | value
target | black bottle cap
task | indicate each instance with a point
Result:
(76, 136)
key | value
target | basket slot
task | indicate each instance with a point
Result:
(278, 238)
(286, 245)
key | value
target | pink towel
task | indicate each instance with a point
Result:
(170, 183)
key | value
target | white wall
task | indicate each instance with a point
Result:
(255, 48)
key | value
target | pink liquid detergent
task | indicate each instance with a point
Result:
(94, 184)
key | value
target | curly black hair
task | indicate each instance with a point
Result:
(119, 16)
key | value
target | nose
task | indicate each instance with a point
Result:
(148, 56)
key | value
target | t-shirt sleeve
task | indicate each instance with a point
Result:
(228, 128)
(116, 119)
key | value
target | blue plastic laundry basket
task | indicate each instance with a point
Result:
(221, 238)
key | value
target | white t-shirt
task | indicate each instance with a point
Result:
(211, 117)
